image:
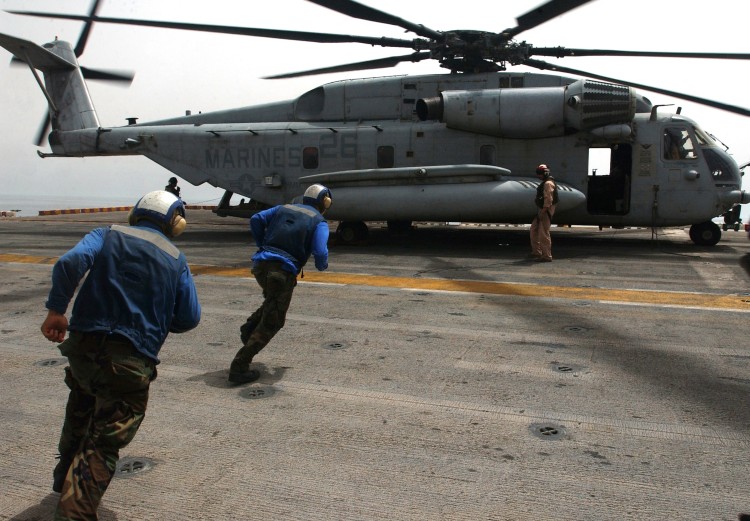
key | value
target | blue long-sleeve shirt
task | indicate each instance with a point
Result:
(259, 224)
(139, 285)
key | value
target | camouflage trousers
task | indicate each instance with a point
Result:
(109, 383)
(277, 285)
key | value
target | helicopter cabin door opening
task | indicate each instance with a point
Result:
(609, 177)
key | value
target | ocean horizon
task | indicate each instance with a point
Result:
(31, 205)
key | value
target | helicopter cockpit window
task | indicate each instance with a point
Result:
(703, 138)
(720, 166)
(386, 157)
(310, 158)
(678, 145)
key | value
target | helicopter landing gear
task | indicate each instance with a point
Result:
(732, 219)
(705, 234)
(735, 226)
(350, 232)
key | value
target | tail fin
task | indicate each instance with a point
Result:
(68, 97)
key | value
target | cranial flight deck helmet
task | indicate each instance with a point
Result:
(161, 208)
(318, 196)
(542, 170)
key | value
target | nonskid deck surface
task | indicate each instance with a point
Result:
(434, 375)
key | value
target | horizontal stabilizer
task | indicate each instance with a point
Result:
(33, 54)
(394, 176)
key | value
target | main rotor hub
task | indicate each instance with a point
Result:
(477, 51)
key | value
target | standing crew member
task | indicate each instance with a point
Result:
(138, 289)
(172, 187)
(286, 237)
(546, 200)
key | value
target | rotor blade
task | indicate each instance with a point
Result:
(537, 64)
(363, 12)
(43, 130)
(241, 31)
(86, 29)
(101, 74)
(561, 52)
(542, 14)
(358, 66)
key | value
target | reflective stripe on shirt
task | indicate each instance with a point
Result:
(154, 238)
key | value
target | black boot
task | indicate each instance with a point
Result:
(244, 377)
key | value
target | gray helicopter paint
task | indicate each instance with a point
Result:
(243, 158)
(257, 154)
(386, 98)
(513, 199)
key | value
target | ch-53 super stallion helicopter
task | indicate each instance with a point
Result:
(453, 147)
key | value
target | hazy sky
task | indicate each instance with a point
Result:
(183, 70)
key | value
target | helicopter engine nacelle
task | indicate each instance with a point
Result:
(532, 112)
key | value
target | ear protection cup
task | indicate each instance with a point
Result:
(318, 196)
(161, 208)
(178, 225)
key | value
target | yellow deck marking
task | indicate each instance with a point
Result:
(706, 300)
(26, 259)
(663, 298)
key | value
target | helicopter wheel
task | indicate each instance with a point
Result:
(350, 232)
(705, 234)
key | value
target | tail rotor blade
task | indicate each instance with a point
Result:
(102, 74)
(43, 130)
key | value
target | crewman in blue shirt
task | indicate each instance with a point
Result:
(138, 289)
(286, 236)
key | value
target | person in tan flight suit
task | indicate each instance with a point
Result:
(546, 200)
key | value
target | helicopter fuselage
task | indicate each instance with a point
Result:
(451, 147)
(445, 148)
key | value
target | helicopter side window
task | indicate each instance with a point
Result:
(678, 144)
(386, 157)
(310, 158)
(487, 155)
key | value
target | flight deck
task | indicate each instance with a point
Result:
(431, 374)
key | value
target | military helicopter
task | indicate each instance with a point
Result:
(461, 146)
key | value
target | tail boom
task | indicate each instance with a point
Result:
(68, 97)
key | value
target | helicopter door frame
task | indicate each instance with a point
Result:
(609, 193)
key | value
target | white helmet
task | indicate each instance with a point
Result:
(318, 196)
(161, 208)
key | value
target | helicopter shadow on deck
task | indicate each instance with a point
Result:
(698, 384)
(448, 246)
(512, 243)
